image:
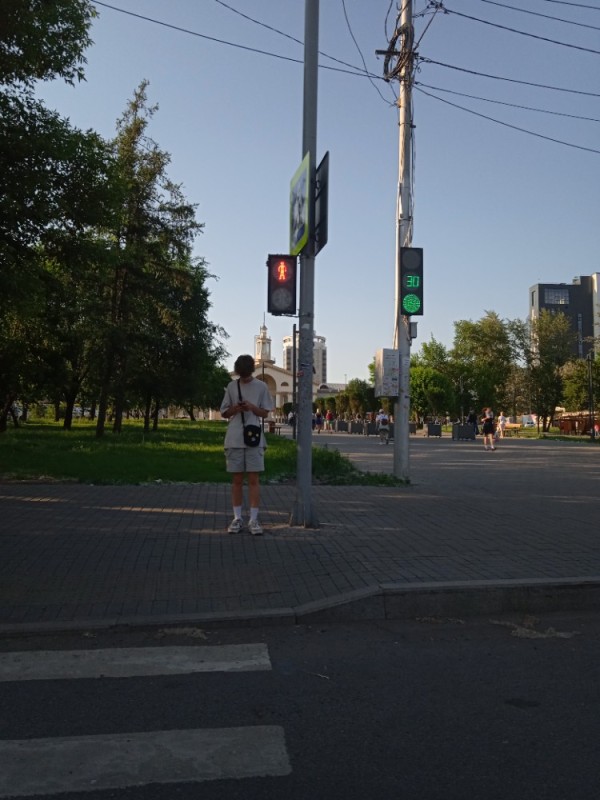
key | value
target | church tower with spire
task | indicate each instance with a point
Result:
(262, 347)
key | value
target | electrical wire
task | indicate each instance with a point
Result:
(288, 36)
(503, 103)
(360, 52)
(577, 5)
(508, 125)
(442, 7)
(357, 71)
(387, 16)
(425, 60)
(544, 16)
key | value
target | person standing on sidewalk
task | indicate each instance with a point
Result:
(251, 409)
(383, 427)
(502, 420)
(488, 429)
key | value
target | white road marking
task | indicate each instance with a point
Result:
(132, 661)
(88, 763)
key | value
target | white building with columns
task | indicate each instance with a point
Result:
(279, 380)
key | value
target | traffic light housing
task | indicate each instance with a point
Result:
(281, 284)
(411, 281)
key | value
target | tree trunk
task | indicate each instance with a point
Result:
(147, 412)
(70, 398)
(155, 415)
(118, 415)
(4, 411)
(102, 408)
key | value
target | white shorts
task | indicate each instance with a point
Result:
(245, 459)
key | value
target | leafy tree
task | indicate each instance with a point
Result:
(361, 396)
(151, 239)
(39, 152)
(482, 355)
(576, 385)
(49, 172)
(545, 345)
(430, 391)
(43, 39)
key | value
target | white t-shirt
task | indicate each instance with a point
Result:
(382, 420)
(256, 392)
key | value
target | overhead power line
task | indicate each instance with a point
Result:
(362, 73)
(544, 16)
(290, 37)
(507, 124)
(503, 103)
(439, 5)
(577, 5)
(360, 51)
(353, 71)
(425, 60)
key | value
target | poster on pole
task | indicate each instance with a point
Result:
(299, 207)
(387, 373)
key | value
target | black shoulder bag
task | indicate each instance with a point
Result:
(251, 432)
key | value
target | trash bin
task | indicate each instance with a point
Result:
(460, 431)
(412, 427)
(271, 426)
(434, 429)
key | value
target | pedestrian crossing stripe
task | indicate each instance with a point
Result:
(132, 662)
(115, 761)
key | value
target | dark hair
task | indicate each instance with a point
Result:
(244, 366)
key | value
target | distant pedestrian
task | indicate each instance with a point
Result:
(329, 421)
(383, 427)
(319, 420)
(246, 402)
(488, 429)
(501, 427)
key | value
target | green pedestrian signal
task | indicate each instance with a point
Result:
(411, 281)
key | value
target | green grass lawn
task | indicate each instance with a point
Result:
(180, 451)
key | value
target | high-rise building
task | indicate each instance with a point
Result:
(319, 355)
(578, 301)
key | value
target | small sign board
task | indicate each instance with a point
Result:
(322, 204)
(300, 207)
(387, 373)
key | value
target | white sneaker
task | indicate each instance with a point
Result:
(254, 527)
(236, 525)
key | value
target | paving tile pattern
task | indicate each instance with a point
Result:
(71, 552)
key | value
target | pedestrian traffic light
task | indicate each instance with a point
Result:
(411, 281)
(281, 294)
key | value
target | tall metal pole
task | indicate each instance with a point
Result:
(591, 391)
(294, 383)
(402, 340)
(303, 512)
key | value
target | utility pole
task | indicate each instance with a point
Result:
(303, 512)
(402, 70)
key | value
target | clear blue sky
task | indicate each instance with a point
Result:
(496, 210)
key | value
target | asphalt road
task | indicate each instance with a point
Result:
(430, 709)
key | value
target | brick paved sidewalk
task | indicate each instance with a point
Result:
(77, 553)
